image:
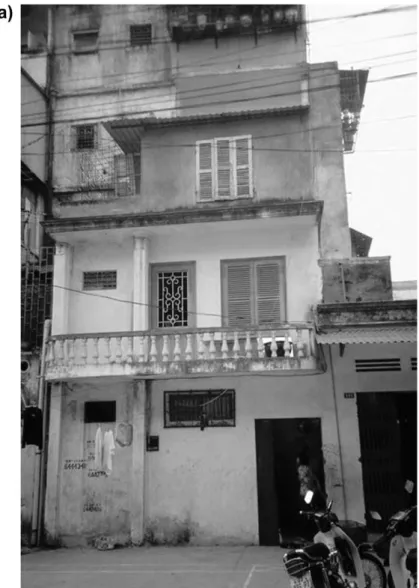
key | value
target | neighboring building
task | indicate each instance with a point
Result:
(198, 179)
(407, 290)
(36, 270)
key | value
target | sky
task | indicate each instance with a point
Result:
(382, 187)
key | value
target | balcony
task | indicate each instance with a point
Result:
(286, 350)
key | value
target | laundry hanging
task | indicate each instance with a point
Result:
(108, 450)
(98, 449)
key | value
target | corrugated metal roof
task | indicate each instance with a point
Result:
(396, 334)
(127, 132)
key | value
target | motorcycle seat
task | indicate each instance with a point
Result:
(411, 561)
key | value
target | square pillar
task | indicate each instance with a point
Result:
(138, 462)
(140, 286)
(62, 273)
(52, 493)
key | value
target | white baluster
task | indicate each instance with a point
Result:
(153, 348)
(300, 345)
(224, 345)
(141, 354)
(248, 346)
(51, 355)
(201, 346)
(118, 350)
(188, 349)
(236, 346)
(95, 354)
(212, 348)
(71, 355)
(176, 350)
(287, 345)
(107, 353)
(261, 346)
(60, 354)
(274, 344)
(84, 351)
(130, 351)
(165, 350)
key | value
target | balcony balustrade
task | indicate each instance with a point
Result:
(165, 353)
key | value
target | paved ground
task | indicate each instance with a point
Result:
(156, 567)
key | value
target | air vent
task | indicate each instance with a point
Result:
(413, 363)
(377, 365)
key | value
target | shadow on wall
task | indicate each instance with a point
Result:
(167, 531)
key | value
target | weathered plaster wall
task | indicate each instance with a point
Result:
(348, 380)
(33, 110)
(227, 240)
(203, 483)
(77, 521)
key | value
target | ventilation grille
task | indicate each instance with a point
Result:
(99, 280)
(413, 363)
(377, 365)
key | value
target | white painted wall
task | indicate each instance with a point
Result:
(206, 480)
(207, 245)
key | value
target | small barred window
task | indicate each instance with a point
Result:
(200, 408)
(105, 280)
(141, 35)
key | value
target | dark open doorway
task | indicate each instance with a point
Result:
(278, 444)
(388, 437)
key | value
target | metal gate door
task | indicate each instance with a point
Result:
(380, 453)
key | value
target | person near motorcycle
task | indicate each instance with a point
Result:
(309, 481)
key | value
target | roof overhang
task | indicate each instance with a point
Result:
(129, 132)
(354, 335)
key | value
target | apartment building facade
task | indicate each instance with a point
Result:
(198, 179)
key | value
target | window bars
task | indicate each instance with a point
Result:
(200, 408)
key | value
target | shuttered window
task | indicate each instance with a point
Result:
(127, 174)
(253, 292)
(224, 168)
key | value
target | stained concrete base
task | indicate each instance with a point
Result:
(156, 567)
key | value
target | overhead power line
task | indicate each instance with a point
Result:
(245, 100)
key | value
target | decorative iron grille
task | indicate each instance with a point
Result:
(105, 280)
(86, 137)
(36, 296)
(172, 293)
(200, 408)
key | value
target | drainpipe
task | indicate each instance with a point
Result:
(40, 455)
(50, 110)
(332, 371)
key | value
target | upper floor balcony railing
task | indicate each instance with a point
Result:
(284, 349)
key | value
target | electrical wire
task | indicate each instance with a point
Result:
(245, 100)
(203, 91)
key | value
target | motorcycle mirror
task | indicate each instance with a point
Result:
(329, 506)
(308, 497)
(375, 515)
(409, 486)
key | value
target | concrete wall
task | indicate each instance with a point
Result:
(348, 380)
(110, 494)
(227, 240)
(33, 110)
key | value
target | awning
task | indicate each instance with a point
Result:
(397, 334)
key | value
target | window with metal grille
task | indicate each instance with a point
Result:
(85, 41)
(253, 292)
(100, 412)
(200, 408)
(127, 174)
(377, 365)
(172, 294)
(141, 35)
(105, 280)
(85, 137)
(224, 168)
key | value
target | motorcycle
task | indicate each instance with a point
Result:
(398, 547)
(314, 566)
(357, 565)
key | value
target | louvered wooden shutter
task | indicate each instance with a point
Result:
(239, 294)
(204, 165)
(243, 167)
(268, 292)
(224, 178)
(124, 175)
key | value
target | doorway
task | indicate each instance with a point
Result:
(278, 444)
(388, 438)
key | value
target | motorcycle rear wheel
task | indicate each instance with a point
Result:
(375, 574)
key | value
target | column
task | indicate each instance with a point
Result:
(138, 462)
(140, 285)
(62, 270)
(53, 464)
